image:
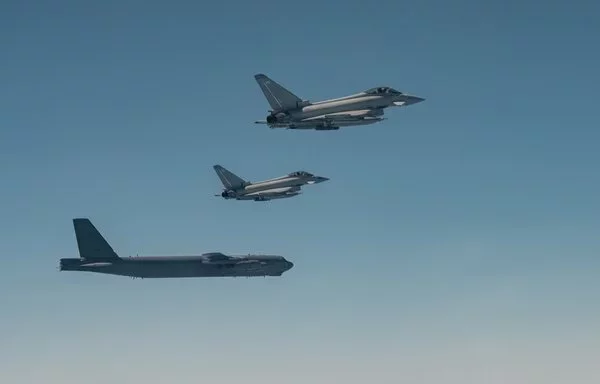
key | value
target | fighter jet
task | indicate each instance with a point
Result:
(291, 112)
(278, 188)
(96, 255)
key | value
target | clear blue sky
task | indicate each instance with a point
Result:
(457, 242)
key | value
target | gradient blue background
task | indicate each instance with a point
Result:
(457, 242)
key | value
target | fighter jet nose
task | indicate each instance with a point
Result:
(320, 179)
(414, 100)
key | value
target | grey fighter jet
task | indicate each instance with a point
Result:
(96, 255)
(367, 107)
(278, 188)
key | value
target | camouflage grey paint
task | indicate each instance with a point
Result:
(290, 111)
(278, 188)
(96, 255)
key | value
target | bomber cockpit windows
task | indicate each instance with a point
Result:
(382, 91)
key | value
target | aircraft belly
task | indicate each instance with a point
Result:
(354, 115)
(181, 269)
(350, 123)
(272, 191)
(326, 125)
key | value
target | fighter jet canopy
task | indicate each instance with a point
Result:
(300, 174)
(382, 91)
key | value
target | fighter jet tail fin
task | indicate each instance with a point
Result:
(90, 242)
(278, 97)
(228, 178)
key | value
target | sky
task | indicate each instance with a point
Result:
(456, 242)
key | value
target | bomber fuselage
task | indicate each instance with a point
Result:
(181, 266)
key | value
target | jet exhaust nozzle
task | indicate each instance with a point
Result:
(274, 118)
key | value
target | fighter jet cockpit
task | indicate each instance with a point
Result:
(300, 174)
(382, 91)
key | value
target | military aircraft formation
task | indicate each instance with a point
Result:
(289, 112)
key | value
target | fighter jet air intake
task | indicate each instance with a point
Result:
(96, 255)
(367, 107)
(278, 188)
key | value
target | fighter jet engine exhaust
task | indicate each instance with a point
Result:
(226, 194)
(274, 118)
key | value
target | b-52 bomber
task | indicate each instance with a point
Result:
(291, 112)
(278, 188)
(96, 255)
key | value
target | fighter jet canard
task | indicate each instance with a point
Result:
(96, 255)
(291, 112)
(278, 188)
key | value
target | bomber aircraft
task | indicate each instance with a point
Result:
(291, 112)
(96, 255)
(278, 188)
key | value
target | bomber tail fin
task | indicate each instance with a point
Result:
(278, 97)
(90, 242)
(228, 178)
